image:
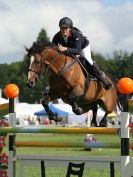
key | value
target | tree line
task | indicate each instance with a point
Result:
(119, 65)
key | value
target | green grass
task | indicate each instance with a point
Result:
(65, 138)
(61, 171)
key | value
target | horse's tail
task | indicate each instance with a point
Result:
(122, 101)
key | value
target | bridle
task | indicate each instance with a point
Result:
(37, 73)
(48, 66)
(33, 71)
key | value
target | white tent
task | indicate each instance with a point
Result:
(3, 100)
(25, 109)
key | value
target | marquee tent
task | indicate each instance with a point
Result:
(59, 109)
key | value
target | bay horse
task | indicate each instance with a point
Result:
(68, 82)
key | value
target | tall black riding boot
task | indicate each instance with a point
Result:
(100, 76)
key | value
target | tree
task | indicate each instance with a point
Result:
(42, 34)
(4, 75)
(120, 64)
(27, 94)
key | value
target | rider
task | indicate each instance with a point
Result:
(71, 41)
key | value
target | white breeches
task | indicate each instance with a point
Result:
(86, 53)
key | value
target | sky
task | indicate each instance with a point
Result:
(108, 24)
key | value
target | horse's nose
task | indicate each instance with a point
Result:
(30, 84)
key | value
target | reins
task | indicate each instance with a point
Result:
(65, 68)
(62, 71)
(51, 63)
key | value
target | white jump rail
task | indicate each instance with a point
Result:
(57, 161)
(126, 162)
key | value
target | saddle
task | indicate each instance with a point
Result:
(85, 68)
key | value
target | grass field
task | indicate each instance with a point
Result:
(61, 172)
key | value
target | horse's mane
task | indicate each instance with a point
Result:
(39, 45)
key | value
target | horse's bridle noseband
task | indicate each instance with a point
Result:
(33, 71)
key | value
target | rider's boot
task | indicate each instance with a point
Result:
(100, 76)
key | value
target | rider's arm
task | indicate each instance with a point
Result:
(76, 46)
(75, 49)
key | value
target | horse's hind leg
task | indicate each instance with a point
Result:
(94, 118)
(45, 101)
(103, 122)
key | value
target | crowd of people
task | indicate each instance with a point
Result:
(37, 121)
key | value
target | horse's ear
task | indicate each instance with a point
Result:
(26, 48)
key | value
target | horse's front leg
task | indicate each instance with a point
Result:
(74, 98)
(46, 99)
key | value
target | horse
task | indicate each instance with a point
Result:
(67, 81)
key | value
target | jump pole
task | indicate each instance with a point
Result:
(11, 91)
(67, 130)
(124, 134)
(125, 159)
(20, 144)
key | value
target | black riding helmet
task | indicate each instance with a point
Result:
(66, 22)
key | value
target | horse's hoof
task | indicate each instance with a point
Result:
(103, 124)
(94, 124)
(59, 119)
(56, 119)
(78, 111)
